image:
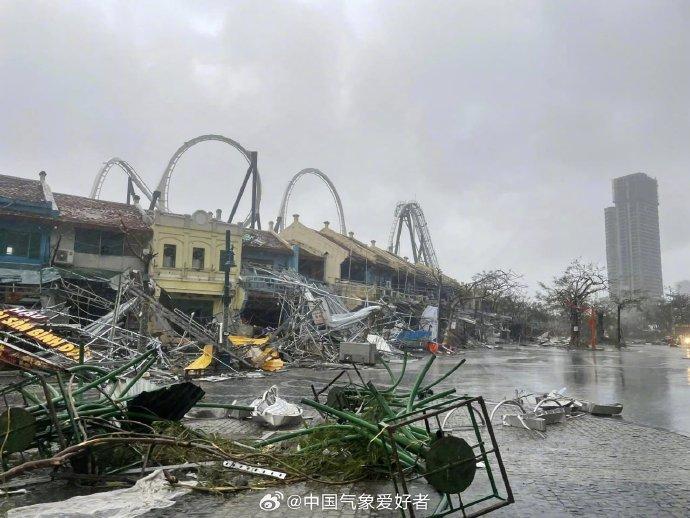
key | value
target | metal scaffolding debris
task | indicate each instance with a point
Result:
(99, 392)
(314, 321)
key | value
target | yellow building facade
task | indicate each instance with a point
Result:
(332, 254)
(188, 251)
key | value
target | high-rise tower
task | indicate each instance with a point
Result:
(633, 249)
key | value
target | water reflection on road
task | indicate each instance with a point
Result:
(652, 381)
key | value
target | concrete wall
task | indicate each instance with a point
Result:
(62, 237)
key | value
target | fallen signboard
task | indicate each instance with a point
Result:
(30, 324)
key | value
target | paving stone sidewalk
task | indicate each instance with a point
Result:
(588, 466)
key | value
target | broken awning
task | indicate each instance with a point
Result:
(340, 320)
(28, 276)
(36, 277)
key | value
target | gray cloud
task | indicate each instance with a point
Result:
(506, 121)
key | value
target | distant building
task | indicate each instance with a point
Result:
(633, 250)
(683, 287)
(357, 270)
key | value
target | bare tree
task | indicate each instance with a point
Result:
(138, 248)
(491, 286)
(620, 303)
(572, 290)
(494, 286)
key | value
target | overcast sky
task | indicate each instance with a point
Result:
(505, 120)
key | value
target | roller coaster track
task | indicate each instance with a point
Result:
(129, 171)
(163, 188)
(282, 213)
(410, 214)
(164, 183)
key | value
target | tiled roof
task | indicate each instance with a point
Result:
(99, 213)
(72, 209)
(21, 189)
(254, 238)
(396, 260)
(355, 246)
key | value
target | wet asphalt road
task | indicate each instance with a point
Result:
(652, 381)
(587, 467)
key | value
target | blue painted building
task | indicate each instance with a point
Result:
(45, 236)
(27, 214)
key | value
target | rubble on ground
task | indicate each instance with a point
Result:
(547, 409)
(91, 423)
(103, 385)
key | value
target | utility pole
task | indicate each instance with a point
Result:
(438, 311)
(227, 297)
(619, 334)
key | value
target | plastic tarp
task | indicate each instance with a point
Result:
(274, 411)
(429, 321)
(150, 492)
(380, 343)
(414, 336)
(340, 320)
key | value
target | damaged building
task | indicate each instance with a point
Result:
(46, 236)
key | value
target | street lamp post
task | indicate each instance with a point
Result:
(438, 311)
(227, 297)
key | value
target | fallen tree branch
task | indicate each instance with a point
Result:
(63, 456)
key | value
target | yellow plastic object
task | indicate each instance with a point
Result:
(241, 341)
(273, 365)
(203, 361)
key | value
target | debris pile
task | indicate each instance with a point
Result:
(98, 396)
(82, 414)
(90, 423)
(106, 329)
(374, 432)
(554, 407)
(314, 321)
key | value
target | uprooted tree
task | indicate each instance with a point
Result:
(572, 291)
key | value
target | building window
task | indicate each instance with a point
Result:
(169, 253)
(112, 243)
(198, 258)
(20, 244)
(100, 242)
(87, 241)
